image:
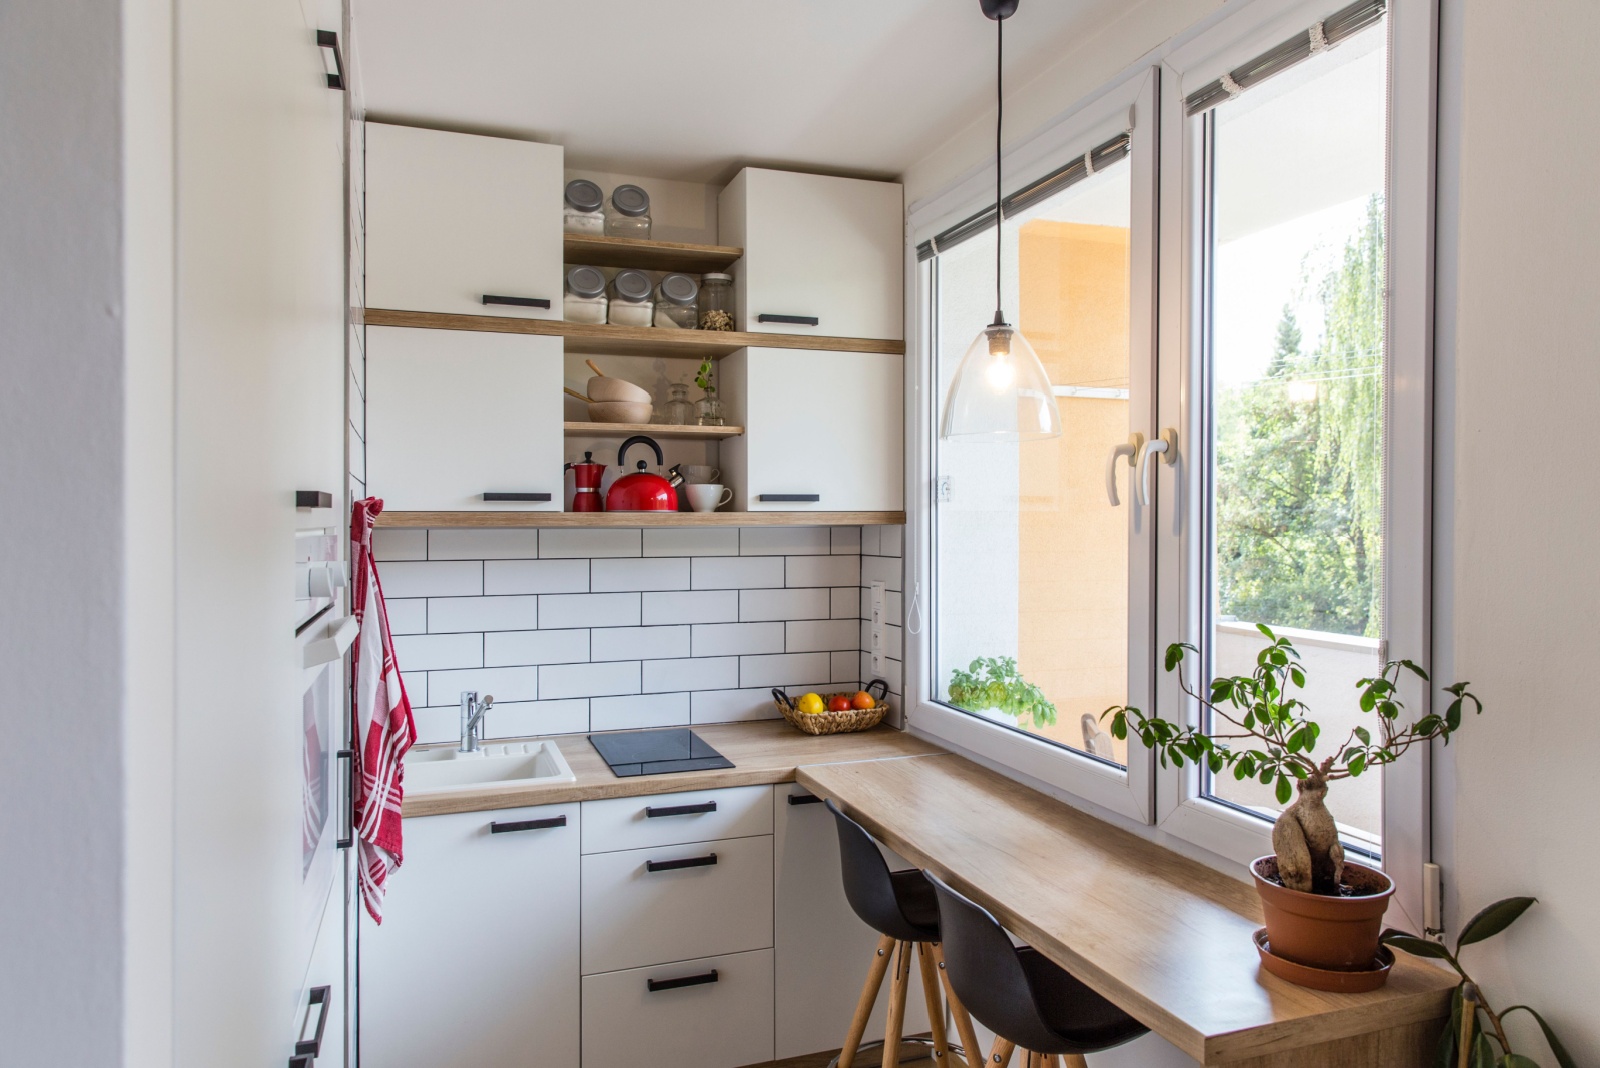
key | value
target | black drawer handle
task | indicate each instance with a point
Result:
(804, 799)
(811, 498)
(528, 825)
(651, 813)
(330, 40)
(794, 320)
(517, 302)
(323, 996)
(312, 499)
(347, 808)
(525, 498)
(681, 981)
(675, 865)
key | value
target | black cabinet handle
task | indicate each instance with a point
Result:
(527, 825)
(312, 499)
(330, 40)
(793, 320)
(804, 799)
(651, 813)
(312, 1047)
(702, 979)
(797, 498)
(525, 498)
(348, 808)
(676, 865)
(517, 302)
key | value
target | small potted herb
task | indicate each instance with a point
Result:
(1321, 910)
(708, 410)
(993, 686)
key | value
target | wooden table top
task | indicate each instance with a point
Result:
(1165, 938)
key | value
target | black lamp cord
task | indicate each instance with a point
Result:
(999, 121)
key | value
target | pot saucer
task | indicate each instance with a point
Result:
(1323, 978)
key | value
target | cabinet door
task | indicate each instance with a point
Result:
(715, 1012)
(476, 962)
(452, 218)
(822, 430)
(453, 415)
(816, 247)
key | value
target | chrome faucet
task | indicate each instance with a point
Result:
(472, 711)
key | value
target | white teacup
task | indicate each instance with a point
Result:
(708, 497)
(700, 474)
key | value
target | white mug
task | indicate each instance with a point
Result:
(708, 497)
(700, 474)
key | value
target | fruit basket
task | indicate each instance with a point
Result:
(853, 719)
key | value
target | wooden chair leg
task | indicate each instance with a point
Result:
(935, 1003)
(958, 1012)
(869, 998)
(1074, 1060)
(897, 1005)
(1000, 1052)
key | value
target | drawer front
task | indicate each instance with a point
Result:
(696, 816)
(666, 903)
(721, 1024)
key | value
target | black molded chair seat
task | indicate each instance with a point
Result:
(900, 904)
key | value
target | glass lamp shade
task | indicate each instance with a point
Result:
(1000, 392)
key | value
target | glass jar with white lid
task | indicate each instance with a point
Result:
(676, 305)
(716, 301)
(630, 299)
(585, 300)
(628, 213)
(583, 208)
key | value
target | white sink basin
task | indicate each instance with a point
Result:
(432, 771)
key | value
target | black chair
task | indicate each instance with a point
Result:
(902, 908)
(1030, 1002)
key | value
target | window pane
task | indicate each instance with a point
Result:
(1296, 372)
(1032, 561)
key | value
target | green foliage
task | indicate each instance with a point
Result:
(1483, 1040)
(703, 379)
(995, 682)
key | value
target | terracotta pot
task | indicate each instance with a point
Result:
(1337, 933)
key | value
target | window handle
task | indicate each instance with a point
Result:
(1130, 449)
(1166, 447)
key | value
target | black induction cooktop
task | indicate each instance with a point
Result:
(657, 752)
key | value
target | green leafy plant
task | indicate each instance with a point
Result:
(702, 378)
(995, 682)
(1480, 1042)
(1279, 740)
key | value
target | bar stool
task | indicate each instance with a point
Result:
(901, 907)
(1028, 1001)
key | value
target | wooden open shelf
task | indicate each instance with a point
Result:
(647, 255)
(655, 430)
(487, 519)
(589, 339)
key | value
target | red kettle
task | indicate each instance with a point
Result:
(641, 491)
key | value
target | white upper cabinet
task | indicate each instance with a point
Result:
(822, 255)
(455, 219)
(823, 430)
(455, 415)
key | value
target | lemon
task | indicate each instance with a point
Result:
(811, 704)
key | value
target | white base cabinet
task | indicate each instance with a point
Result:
(721, 1018)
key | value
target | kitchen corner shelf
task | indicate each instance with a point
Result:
(647, 255)
(655, 430)
(595, 520)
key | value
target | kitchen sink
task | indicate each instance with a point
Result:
(432, 771)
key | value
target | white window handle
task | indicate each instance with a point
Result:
(1166, 447)
(1130, 449)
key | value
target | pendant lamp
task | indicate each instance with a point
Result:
(1000, 391)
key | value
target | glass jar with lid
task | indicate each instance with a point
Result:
(585, 300)
(676, 302)
(630, 299)
(716, 301)
(679, 410)
(583, 207)
(628, 213)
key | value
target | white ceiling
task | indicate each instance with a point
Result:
(694, 89)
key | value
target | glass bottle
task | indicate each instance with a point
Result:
(628, 213)
(582, 205)
(708, 410)
(678, 411)
(676, 302)
(716, 302)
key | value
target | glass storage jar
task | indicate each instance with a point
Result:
(630, 299)
(678, 411)
(583, 207)
(675, 302)
(628, 213)
(708, 410)
(716, 302)
(585, 300)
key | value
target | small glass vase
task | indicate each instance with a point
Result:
(679, 410)
(708, 410)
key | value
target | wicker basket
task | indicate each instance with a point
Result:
(856, 719)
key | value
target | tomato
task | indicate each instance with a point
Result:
(839, 703)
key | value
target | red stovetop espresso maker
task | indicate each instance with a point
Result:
(586, 476)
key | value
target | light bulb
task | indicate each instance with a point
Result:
(1000, 373)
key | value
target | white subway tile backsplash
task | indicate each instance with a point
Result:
(737, 572)
(891, 543)
(589, 680)
(821, 635)
(429, 652)
(431, 578)
(408, 616)
(885, 569)
(589, 610)
(692, 541)
(483, 544)
(505, 683)
(695, 673)
(513, 648)
(717, 606)
(731, 706)
(670, 573)
(871, 540)
(823, 571)
(393, 544)
(416, 684)
(847, 603)
(520, 719)
(893, 605)
(847, 541)
(732, 639)
(783, 669)
(437, 724)
(889, 674)
(579, 543)
(448, 614)
(638, 643)
(535, 576)
(759, 605)
(782, 541)
(846, 669)
(639, 712)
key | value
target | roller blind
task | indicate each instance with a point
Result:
(1339, 26)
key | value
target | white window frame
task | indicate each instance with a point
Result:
(1128, 104)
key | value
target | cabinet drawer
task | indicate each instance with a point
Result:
(665, 903)
(721, 1024)
(668, 819)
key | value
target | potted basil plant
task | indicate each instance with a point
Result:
(995, 689)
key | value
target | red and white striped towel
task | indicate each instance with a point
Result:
(384, 727)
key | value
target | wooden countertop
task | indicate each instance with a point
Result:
(1166, 938)
(767, 751)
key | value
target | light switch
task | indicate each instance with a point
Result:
(877, 598)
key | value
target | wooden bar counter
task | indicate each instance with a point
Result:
(1164, 937)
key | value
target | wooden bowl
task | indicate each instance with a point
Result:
(617, 389)
(620, 411)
